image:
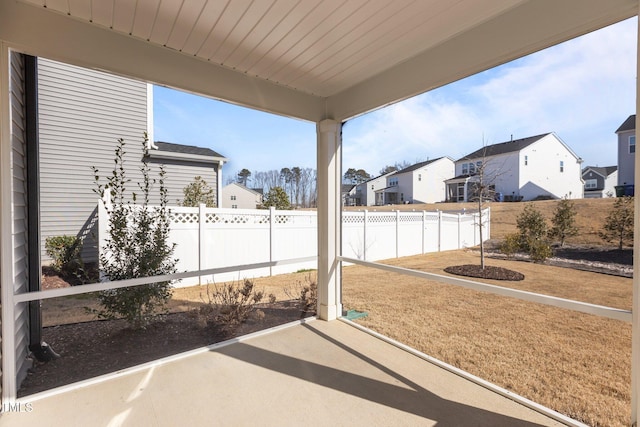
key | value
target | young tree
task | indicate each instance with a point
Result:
(198, 192)
(243, 176)
(618, 226)
(483, 189)
(564, 221)
(277, 198)
(137, 244)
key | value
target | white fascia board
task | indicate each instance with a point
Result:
(526, 28)
(594, 171)
(155, 154)
(42, 32)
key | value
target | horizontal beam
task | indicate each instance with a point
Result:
(583, 307)
(41, 32)
(526, 28)
(117, 284)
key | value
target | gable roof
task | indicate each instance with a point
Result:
(186, 149)
(629, 124)
(503, 147)
(418, 165)
(605, 171)
(242, 187)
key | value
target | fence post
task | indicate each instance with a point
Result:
(459, 230)
(364, 235)
(424, 225)
(272, 221)
(398, 233)
(439, 230)
(202, 219)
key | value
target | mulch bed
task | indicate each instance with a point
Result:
(489, 272)
(95, 348)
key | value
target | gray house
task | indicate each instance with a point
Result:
(626, 151)
(599, 182)
(81, 115)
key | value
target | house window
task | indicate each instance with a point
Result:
(632, 144)
(590, 184)
(479, 165)
(465, 169)
(234, 206)
(419, 177)
(372, 186)
(561, 166)
(233, 197)
(526, 160)
(472, 168)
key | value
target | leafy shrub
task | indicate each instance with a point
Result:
(231, 303)
(618, 226)
(510, 245)
(65, 252)
(198, 192)
(539, 251)
(137, 245)
(531, 237)
(564, 221)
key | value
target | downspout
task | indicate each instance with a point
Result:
(40, 350)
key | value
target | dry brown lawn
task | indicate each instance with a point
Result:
(575, 363)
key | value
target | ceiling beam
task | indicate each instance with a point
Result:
(527, 28)
(40, 32)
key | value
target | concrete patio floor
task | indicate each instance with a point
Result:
(310, 374)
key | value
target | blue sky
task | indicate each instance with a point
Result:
(582, 90)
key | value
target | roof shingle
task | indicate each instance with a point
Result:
(186, 149)
(629, 124)
(503, 147)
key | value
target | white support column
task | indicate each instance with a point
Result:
(9, 385)
(219, 185)
(635, 326)
(329, 149)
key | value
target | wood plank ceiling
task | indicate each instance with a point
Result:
(310, 59)
(317, 47)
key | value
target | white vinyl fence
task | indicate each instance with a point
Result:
(208, 238)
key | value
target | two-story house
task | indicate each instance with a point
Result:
(364, 194)
(540, 166)
(237, 196)
(423, 182)
(81, 115)
(626, 151)
(599, 181)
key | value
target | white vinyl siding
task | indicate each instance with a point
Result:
(19, 208)
(82, 113)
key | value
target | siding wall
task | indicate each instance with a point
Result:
(19, 204)
(82, 113)
(181, 173)
(626, 160)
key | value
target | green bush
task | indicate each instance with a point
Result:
(65, 252)
(510, 245)
(532, 235)
(137, 245)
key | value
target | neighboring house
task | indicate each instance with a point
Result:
(540, 166)
(423, 182)
(237, 196)
(626, 151)
(599, 181)
(81, 115)
(347, 192)
(364, 194)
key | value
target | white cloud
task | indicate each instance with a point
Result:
(582, 90)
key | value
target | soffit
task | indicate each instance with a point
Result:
(304, 58)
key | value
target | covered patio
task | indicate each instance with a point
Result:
(321, 373)
(324, 62)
